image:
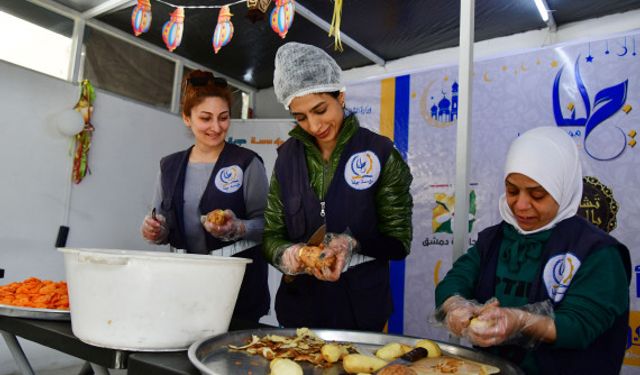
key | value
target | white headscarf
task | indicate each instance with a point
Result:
(550, 157)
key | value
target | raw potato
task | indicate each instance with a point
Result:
(333, 352)
(216, 217)
(392, 351)
(284, 366)
(480, 325)
(432, 347)
(310, 257)
(355, 363)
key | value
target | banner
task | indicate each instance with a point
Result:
(263, 137)
(589, 89)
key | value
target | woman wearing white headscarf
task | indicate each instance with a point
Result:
(332, 172)
(544, 288)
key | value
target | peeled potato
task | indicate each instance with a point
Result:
(432, 347)
(333, 352)
(480, 325)
(284, 366)
(356, 363)
(392, 351)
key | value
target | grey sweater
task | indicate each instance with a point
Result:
(197, 176)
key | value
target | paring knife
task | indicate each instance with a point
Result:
(318, 236)
(408, 358)
(316, 239)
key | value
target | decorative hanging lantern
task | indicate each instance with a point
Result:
(172, 29)
(257, 10)
(141, 17)
(282, 17)
(224, 29)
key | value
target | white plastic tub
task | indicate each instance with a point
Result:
(150, 301)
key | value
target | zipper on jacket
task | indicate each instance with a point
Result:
(322, 201)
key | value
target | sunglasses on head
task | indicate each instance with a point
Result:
(203, 81)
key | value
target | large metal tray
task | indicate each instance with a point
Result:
(212, 356)
(33, 313)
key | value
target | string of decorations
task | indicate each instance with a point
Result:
(83, 138)
(281, 18)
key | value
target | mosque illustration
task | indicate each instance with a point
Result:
(446, 110)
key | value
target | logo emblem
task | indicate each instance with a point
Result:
(229, 179)
(362, 170)
(558, 273)
(597, 204)
(590, 113)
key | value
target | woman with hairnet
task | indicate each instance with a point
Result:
(545, 288)
(333, 172)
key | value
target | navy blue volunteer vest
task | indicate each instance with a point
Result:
(349, 201)
(579, 238)
(349, 206)
(224, 190)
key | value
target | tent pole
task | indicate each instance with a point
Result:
(463, 131)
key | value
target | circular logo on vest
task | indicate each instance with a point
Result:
(558, 273)
(229, 179)
(362, 170)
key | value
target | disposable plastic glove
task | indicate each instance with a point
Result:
(289, 262)
(232, 229)
(456, 313)
(341, 247)
(154, 229)
(526, 325)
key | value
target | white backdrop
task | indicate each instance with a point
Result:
(598, 92)
(263, 137)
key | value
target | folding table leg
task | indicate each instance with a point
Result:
(18, 355)
(86, 369)
(99, 370)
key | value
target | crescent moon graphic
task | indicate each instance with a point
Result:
(370, 163)
(625, 51)
(523, 67)
(485, 77)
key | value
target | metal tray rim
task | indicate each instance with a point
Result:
(506, 367)
(34, 313)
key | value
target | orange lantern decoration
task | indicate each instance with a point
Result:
(141, 17)
(282, 17)
(224, 29)
(172, 29)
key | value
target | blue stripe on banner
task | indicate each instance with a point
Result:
(401, 124)
(401, 139)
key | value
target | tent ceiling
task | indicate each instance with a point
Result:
(391, 29)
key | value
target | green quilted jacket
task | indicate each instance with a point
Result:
(393, 198)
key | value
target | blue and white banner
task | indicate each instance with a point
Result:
(590, 89)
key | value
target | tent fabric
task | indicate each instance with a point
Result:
(392, 29)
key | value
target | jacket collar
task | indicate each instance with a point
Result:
(350, 126)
